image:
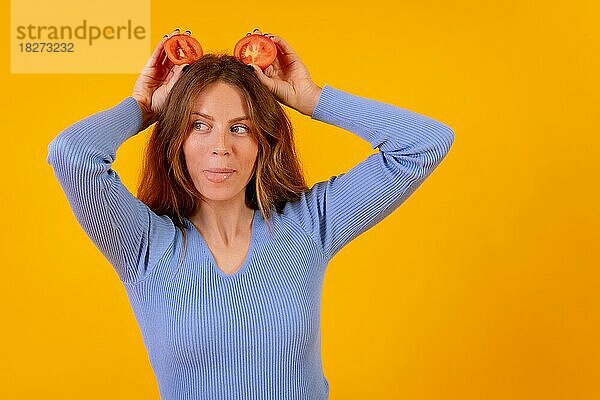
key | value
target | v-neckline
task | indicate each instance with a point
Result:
(249, 253)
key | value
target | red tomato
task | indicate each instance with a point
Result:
(256, 49)
(182, 49)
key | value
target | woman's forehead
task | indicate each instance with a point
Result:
(220, 89)
(222, 100)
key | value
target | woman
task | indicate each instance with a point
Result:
(227, 298)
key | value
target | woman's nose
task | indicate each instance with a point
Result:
(222, 145)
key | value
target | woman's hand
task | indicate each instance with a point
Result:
(155, 82)
(288, 79)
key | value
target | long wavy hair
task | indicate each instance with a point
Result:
(165, 185)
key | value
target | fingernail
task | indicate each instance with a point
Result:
(177, 29)
(185, 68)
(188, 31)
(166, 36)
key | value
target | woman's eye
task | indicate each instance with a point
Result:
(241, 126)
(197, 123)
(235, 128)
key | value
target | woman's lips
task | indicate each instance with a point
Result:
(217, 177)
(220, 170)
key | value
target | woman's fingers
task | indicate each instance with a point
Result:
(173, 76)
(156, 59)
(283, 45)
(257, 31)
(159, 56)
(269, 71)
(265, 80)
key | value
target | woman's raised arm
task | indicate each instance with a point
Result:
(411, 146)
(130, 235)
(336, 211)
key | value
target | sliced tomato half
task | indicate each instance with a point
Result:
(256, 49)
(182, 49)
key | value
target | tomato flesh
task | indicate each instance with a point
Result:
(256, 49)
(182, 49)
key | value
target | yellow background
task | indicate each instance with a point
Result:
(484, 284)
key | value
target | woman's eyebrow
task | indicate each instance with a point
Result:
(243, 117)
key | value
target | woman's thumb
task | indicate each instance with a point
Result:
(268, 82)
(177, 71)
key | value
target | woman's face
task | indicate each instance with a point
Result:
(220, 137)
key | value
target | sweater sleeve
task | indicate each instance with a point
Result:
(130, 235)
(335, 211)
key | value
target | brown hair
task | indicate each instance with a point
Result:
(165, 185)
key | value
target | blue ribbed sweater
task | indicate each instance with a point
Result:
(254, 334)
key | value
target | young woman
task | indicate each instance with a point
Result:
(224, 250)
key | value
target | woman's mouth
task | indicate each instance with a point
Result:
(217, 177)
